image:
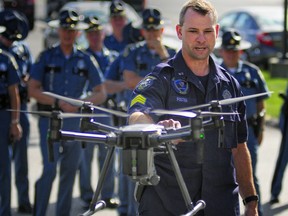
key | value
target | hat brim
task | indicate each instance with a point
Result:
(140, 25)
(2, 29)
(78, 26)
(244, 45)
(122, 14)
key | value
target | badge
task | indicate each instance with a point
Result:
(145, 83)
(81, 64)
(180, 86)
(226, 94)
(3, 67)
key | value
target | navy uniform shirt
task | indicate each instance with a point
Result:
(208, 170)
(9, 75)
(112, 44)
(104, 58)
(24, 60)
(251, 80)
(66, 76)
(141, 60)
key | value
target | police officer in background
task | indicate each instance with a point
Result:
(138, 61)
(282, 159)
(252, 81)
(10, 128)
(141, 60)
(11, 40)
(65, 70)
(95, 36)
(118, 20)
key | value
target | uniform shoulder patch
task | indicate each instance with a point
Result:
(145, 83)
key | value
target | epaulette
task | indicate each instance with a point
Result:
(10, 57)
(130, 47)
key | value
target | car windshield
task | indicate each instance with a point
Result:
(265, 21)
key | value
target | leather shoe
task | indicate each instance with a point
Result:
(273, 200)
(25, 209)
(111, 203)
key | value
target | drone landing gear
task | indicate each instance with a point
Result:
(97, 205)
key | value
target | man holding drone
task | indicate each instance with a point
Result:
(217, 168)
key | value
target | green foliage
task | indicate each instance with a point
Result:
(276, 85)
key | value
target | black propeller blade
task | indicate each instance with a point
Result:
(60, 114)
(190, 114)
(76, 102)
(225, 101)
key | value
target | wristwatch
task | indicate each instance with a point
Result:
(250, 199)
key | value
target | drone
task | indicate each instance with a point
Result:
(139, 142)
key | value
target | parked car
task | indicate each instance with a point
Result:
(262, 26)
(101, 10)
(26, 7)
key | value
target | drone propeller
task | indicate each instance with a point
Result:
(80, 103)
(60, 114)
(225, 101)
(190, 114)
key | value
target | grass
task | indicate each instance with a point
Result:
(274, 103)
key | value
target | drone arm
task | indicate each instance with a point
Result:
(93, 125)
(97, 138)
(155, 140)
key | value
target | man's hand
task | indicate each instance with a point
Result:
(170, 123)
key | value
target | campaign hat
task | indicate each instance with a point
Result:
(232, 40)
(69, 19)
(16, 25)
(152, 19)
(94, 23)
(117, 9)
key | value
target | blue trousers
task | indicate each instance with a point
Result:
(68, 154)
(86, 190)
(282, 159)
(21, 162)
(253, 146)
(5, 164)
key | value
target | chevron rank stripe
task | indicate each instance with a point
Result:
(138, 99)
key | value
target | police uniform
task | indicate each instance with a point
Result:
(207, 169)
(16, 31)
(282, 159)
(110, 41)
(8, 76)
(104, 58)
(67, 76)
(252, 82)
(142, 60)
